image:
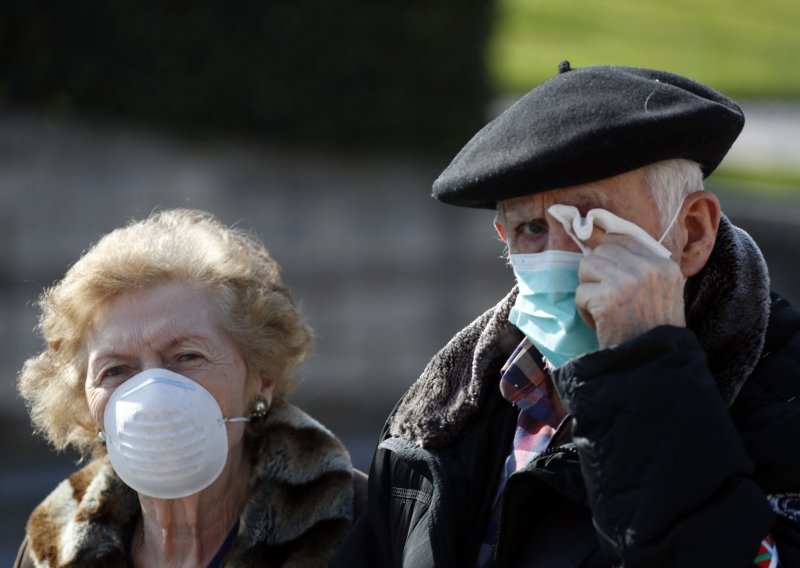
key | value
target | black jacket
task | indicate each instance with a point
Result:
(683, 447)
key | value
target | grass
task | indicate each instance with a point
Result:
(741, 47)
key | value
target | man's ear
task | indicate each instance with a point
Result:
(501, 230)
(699, 223)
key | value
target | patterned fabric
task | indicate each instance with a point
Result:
(525, 385)
(787, 505)
(767, 556)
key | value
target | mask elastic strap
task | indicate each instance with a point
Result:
(671, 223)
(240, 419)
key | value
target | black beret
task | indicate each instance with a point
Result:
(589, 124)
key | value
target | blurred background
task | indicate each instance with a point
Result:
(320, 126)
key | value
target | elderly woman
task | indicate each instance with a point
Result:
(170, 348)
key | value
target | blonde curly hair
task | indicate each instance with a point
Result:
(177, 245)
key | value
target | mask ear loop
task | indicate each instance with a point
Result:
(258, 411)
(671, 223)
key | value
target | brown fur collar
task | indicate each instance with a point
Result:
(301, 507)
(727, 307)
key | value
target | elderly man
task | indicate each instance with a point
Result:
(633, 400)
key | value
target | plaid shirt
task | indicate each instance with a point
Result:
(525, 384)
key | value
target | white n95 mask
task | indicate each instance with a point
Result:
(165, 434)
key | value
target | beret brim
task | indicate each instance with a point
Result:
(589, 124)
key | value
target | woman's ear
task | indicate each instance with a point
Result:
(699, 223)
(267, 388)
(262, 386)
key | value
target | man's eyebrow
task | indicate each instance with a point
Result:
(582, 200)
(523, 214)
(590, 199)
(593, 199)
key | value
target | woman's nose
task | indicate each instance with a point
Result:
(151, 362)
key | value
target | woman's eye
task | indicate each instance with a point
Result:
(113, 372)
(187, 357)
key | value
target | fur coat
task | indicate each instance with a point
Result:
(299, 510)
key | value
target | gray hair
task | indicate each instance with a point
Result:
(670, 182)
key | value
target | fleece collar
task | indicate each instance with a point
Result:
(301, 505)
(727, 307)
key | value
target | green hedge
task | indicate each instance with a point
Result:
(395, 74)
(743, 48)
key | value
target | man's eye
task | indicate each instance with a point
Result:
(532, 228)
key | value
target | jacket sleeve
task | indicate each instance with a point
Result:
(668, 477)
(767, 414)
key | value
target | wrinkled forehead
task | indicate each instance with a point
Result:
(629, 190)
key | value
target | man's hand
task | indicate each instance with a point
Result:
(626, 291)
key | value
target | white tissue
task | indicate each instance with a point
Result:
(580, 228)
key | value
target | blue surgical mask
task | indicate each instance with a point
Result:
(545, 309)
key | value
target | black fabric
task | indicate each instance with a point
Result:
(639, 411)
(226, 547)
(589, 124)
(429, 507)
(659, 472)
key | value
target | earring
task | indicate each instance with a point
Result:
(101, 438)
(258, 409)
